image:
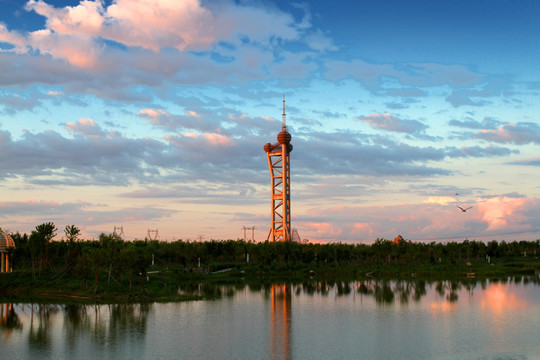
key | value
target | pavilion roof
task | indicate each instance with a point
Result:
(5, 241)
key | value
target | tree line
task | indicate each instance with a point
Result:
(114, 259)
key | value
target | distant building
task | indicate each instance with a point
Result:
(6, 242)
(398, 239)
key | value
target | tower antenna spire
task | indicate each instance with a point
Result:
(278, 156)
(283, 116)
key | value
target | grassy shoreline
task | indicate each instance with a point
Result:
(110, 269)
(163, 285)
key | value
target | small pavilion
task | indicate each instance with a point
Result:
(6, 242)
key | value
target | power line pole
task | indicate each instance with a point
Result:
(252, 228)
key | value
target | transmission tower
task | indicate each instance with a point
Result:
(153, 234)
(295, 236)
(252, 228)
(278, 164)
(118, 230)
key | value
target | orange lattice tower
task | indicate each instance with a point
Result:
(280, 180)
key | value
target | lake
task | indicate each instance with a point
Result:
(368, 319)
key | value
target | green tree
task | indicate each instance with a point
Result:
(36, 246)
(72, 233)
(133, 263)
(110, 248)
(47, 231)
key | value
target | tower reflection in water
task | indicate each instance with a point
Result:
(281, 323)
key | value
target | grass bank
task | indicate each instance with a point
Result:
(165, 284)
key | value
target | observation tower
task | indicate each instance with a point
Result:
(280, 181)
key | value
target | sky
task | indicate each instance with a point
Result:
(153, 114)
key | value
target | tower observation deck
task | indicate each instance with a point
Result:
(279, 166)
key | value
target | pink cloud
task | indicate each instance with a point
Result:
(218, 140)
(86, 127)
(149, 24)
(192, 113)
(441, 200)
(153, 113)
(325, 228)
(155, 25)
(265, 118)
(501, 134)
(520, 133)
(156, 116)
(435, 219)
(196, 141)
(77, 33)
(81, 51)
(361, 228)
(163, 118)
(500, 212)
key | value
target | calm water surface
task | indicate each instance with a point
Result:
(371, 319)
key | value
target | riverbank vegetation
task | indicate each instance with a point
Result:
(111, 268)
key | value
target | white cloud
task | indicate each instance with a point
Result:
(389, 122)
(408, 74)
(14, 38)
(320, 42)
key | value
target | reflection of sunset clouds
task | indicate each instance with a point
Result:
(442, 307)
(498, 298)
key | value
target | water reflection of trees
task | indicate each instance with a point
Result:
(106, 324)
(384, 291)
(125, 319)
(211, 290)
(39, 336)
(387, 292)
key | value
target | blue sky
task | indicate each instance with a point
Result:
(153, 114)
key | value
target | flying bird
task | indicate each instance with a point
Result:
(462, 209)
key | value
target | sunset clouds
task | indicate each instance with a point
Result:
(154, 114)
(84, 34)
(520, 133)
